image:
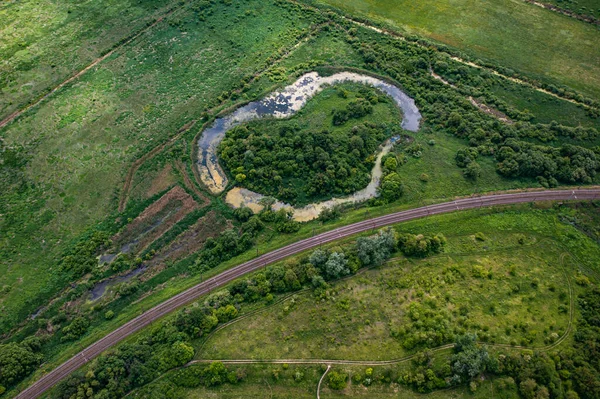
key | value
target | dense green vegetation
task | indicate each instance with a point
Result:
(466, 283)
(582, 7)
(328, 149)
(69, 156)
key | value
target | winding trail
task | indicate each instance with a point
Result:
(53, 377)
(321, 381)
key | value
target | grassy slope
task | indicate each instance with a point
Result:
(80, 142)
(358, 319)
(513, 33)
(44, 42)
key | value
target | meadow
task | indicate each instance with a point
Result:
(76, 146)
(508, 285)
(511, 275)
(45, 42)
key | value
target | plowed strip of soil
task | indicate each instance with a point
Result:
(193, 239)
(156, 219)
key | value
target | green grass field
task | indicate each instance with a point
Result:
(506, 292)
(45, 42)
(518, 35)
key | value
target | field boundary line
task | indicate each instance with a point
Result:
(120, 44)
(580, 17)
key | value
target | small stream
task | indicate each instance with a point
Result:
(284, 104)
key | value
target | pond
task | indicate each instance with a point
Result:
(283, 104)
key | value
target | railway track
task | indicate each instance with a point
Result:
(53, 377)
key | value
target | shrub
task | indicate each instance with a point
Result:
(337, 381)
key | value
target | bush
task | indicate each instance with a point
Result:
(421, 245)
(337, 381)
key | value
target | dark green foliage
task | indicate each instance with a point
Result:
(337, 380)
(469, 359)
(212, 375)
(421, 245)
(329, 214)
(391, 187)
(17, 361)
(298, 166)
(355, 110)
(336, 266)
(243, 214)
(75, 329)
(196, 321)
(224, 247)
(82, 257)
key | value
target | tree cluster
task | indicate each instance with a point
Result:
(421, 245)
(298, 165)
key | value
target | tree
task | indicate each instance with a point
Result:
(376, 249)
(243, 214)
(469, 360)
(391, 187)
(76, 329)
(336, 266)
(177, 355)
(16, 362)
(215, 374)
(318, 258)
(473, 170)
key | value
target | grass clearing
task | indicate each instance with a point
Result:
(79, 143)
(45, 42)
(485, 282)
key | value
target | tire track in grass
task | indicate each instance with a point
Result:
(122, 43)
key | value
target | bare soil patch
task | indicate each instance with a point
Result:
(193, 239)
(155, 220)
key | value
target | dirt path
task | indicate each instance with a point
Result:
(321, 381)
(585, 18)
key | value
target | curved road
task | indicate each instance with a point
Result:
(49, 380)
